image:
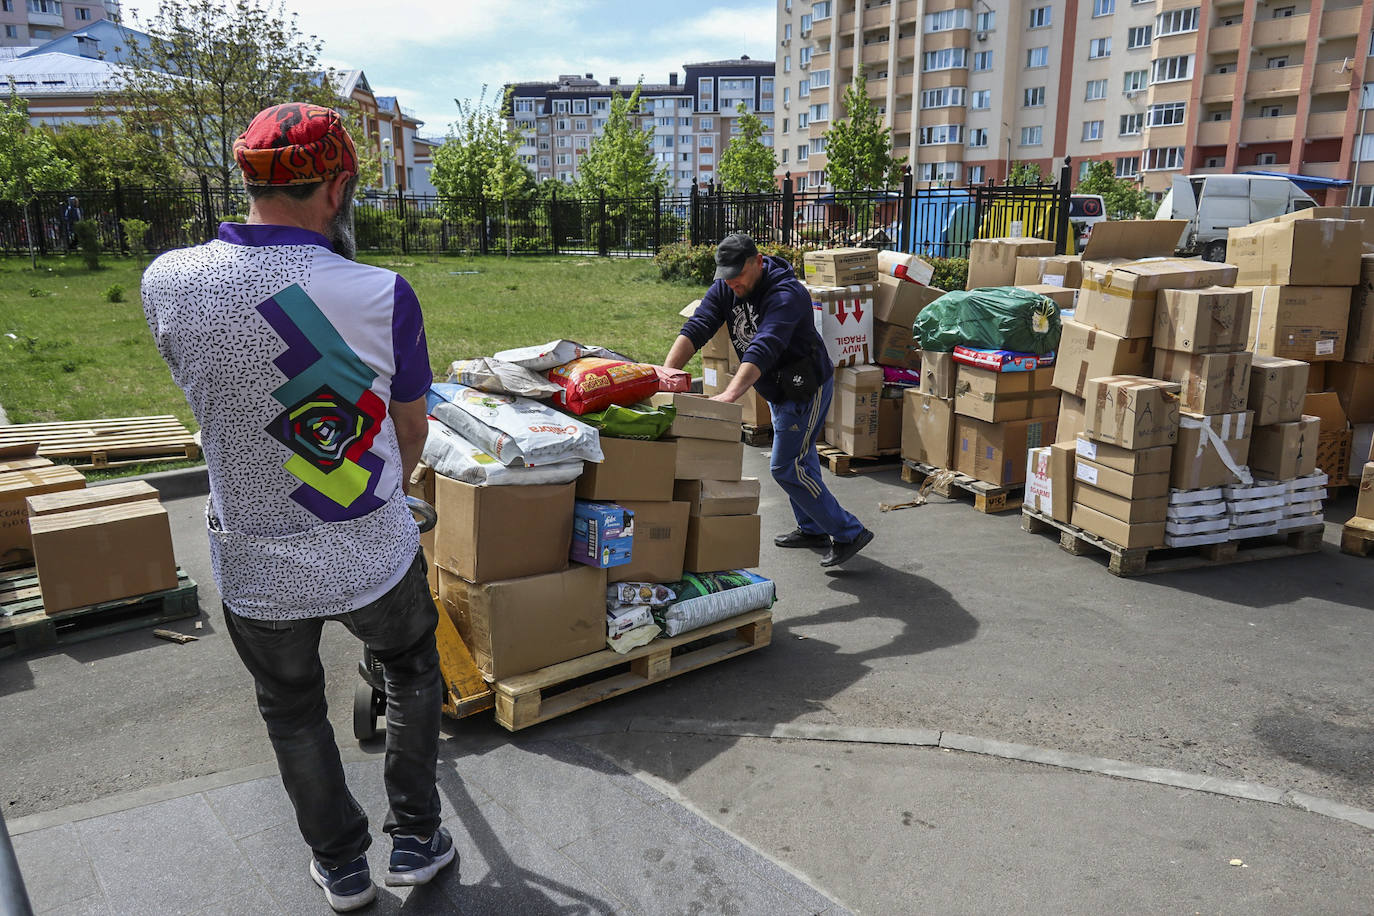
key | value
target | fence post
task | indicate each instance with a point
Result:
(789, 209)
(693, 203)
(553, 217)
(602, 245)
(482, 218)
(1061, 241)
(209, 212)
(401, 211)
(904, 242)
(658, 221)
(120, 240)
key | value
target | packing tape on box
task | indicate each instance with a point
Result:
(1241, 472)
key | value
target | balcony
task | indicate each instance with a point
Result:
(1272, 33)
(1213, 133)
(1325, 125)
(1273, 83)
(901, 122)
(1341, 23)
(877, 53)
(1223, 39)
(846, 23)
(1218, 87)
(1326, 169)
(44, 20)
(1331, 76)
(1173, 135)
(908, 10)
(1268, 130)
(906, 48)
(845, 59)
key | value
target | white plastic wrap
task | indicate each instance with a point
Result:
(554, 354)
(454, 457)
(703, 610)
(501, 377)
(511, 429)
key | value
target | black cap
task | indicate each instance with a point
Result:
(733, 252)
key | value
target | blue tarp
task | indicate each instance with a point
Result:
(1306, 181)
(938, 218)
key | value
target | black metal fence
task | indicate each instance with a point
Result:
(937, 222)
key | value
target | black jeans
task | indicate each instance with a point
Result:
(284, 658)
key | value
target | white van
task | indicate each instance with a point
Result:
(1214, 203)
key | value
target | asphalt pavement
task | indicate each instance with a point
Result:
(964, 719)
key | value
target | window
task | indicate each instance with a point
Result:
(53, 7)
(11, 32)
(7, 6)
(706, 159)
(784, 125)
(987, 21)
(820, 79)
(787, 31)
(543, 162)
(1168, 114)
(804, 57)
(951, 97)
(706, 93)
(1084, 167)
(939, 171)
(1138, 37)
(565, 158)
(1104, 7)
(561, 124)
(1099, 48)
(1034, 98)
(787, 63)
(601, 105)
(803, 119)
(820, 11)
(820, 112)
(560, 106)
(982, 100)
(982, 62)
(1271, 111)
(524, 106)
(1040, 17)
(658, 122)
(946, 20)
(786, 94)
(805, 24)
(1031, 136)
(978, 138)
(1092, 130)
(564, 142)
(1163, 157)
(804, 89)
(706, 124)
(1276, 63)
(977, 174)
(1176, 21)
(783, 159)
(1127, 166)
(817, 145)
(1367, 96)
(1284, 12)
(1130, 125)
(803, 152)
(581, 123)
(83, 13)
(1097, 90)
(1222, 115)
(684, 104)
(1171, 69)
(684, 122)
(543, 144)
(943, 133)
(1135, 81)
(1364, 196)
(948, 59)
(1037, 57)
(706, 142)
(579, 106)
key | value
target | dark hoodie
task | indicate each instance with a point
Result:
(773, 328)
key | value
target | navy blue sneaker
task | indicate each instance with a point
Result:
(415, 861)
(348, 887)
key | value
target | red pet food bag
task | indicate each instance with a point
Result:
(590, 384)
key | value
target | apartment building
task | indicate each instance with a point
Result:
(1158, 88)
(693, 118)
(32, 22)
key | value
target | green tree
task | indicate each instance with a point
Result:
(478, 158)
(209, 68)
(106, 151)
(1124, 199)
(620, 162)
(1026, 173)
(858, 148)
(748, 165)
(28, 163)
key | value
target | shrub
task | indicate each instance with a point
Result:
(135, 234)
(115, 293)
(696, 264)
(950, 273)
(88, 240)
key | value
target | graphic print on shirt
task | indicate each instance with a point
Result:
(331, 415)
(745, 324)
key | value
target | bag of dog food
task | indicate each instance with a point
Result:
(511, 429)
(501, 378)
(673, 379)
(592, 383)
(454, 457)
(704, 598)
(637, 421)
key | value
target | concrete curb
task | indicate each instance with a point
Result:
(970, 744)
(178, 484)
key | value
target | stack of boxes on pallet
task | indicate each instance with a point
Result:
(88, 546)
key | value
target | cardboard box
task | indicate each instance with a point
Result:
(992, 262)
(1284, 451)
(1359, 344)
(1211, 383)
(1277, 389)
(721, 542)
(1133, 511)
(1120, 483)
(840, 266)
(843, 317)
(632, 469)
(1029, 270)
(1126, 460)
(996, 452)
(1085, 353)
(518, 625)
(1354, 385)
(1131, 411)
(1364, 214)
(715, 375)
(928, 429)
(490, 533)
(894, 346)
(1065, 298)
(111, 494)
(719, 497)
(1364, 501)
(1300, 322)
(1119, 241)
(1122, 534)
(1065, 270)
(15, 488)
(421, 486)
(751, 407)
(890, 419)
(937, 374)
(1305, 252)
(854, 410)
(908, 268)
(1316, 377)
(1122, 299)
(660, 542)
(1049, 480)
(1198, 458)
(1326, 407)
(1073, 417)
(699, 417)
(1211, 320)
(603, 534)
(896, 305)
(996, 396)
(87, 556)
(709, 459)
(1333, 451)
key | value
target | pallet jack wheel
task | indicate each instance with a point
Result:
(366, 708)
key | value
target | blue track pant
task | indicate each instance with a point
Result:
(797, 468)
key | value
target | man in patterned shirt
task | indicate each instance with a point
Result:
(307, 373)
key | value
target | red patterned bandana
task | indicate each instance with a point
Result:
(295, 143)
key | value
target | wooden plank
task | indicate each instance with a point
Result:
(988, 498)
(757, 436)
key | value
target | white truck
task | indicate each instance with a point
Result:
(1214, 203)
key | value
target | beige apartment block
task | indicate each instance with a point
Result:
(1158, 88)
(25, 23)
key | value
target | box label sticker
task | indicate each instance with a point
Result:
(1087, 449)
(1087, 474)
(1326, 347)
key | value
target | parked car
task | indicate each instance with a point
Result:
(1213, 204)
(1085, 211)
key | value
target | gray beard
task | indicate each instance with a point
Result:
(341, 230)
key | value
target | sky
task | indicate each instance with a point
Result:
(429, 52)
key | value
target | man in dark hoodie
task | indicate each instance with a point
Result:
(767, 312)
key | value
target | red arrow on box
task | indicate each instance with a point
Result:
(839, 311)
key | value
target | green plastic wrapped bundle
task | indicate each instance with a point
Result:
(638, 421)
(995, 318)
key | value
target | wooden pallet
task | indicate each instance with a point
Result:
(757, 436)
(987, 497)
(107, 443)
(26, 627)
(843, 464)
(1357, 537)
(1146, 561)
(528, 699)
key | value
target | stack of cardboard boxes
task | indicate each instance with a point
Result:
(999, 417)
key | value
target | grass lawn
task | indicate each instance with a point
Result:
(66, 353)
